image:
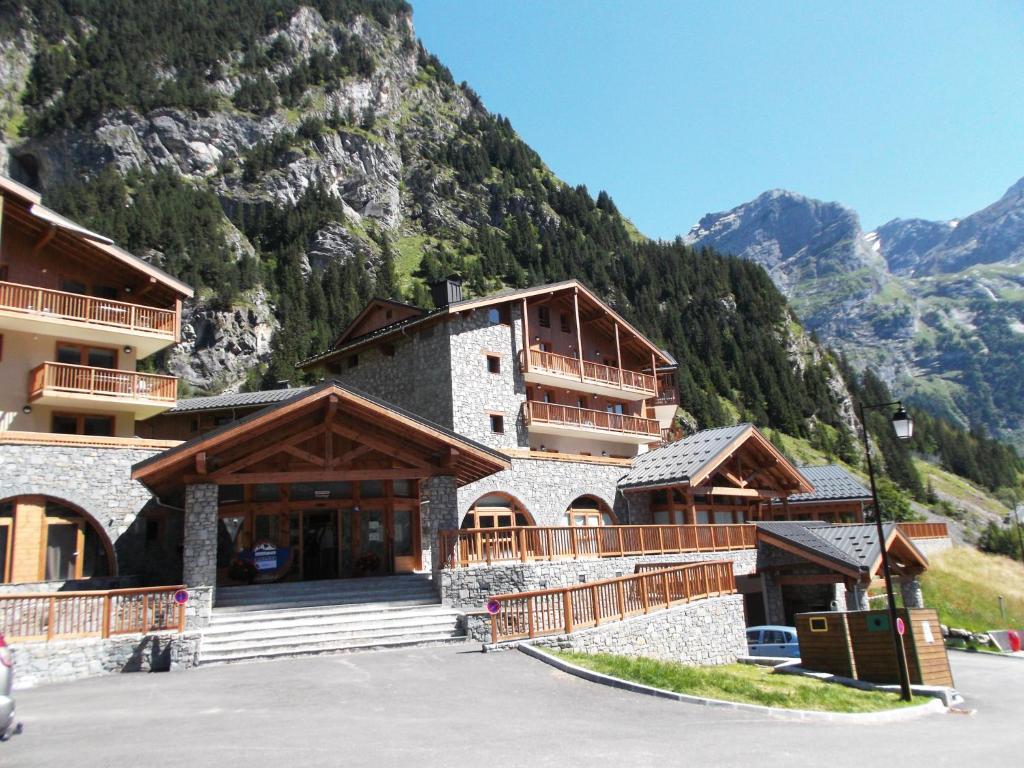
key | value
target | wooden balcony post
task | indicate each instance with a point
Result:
(572, 542)
(664, 585)
(643, 594)
(654, 375)
(551, 544)
(596, 605)
(579, 335)
(622, 546)
(51, 619)
(522, 545)
(620, 593)
(105, 632)
(529, 615)
(526, 338)
(661, 539)
(145, 612)
(618, 352)
(567, 611)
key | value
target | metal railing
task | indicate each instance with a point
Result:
(62, 615)
(88, 309)
(476, 546)
(564, 610)
(106, 382)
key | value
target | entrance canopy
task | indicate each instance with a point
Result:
(329, 433)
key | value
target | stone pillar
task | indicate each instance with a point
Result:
(857, 599)
(839, 597)
(199, 554)
(774, 607)
(439, 511)
(910, 588)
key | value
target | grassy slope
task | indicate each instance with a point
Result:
(963, 585)
(737, 682)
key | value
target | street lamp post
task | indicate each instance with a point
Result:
(904, 428)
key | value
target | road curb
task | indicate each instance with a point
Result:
(864, 718)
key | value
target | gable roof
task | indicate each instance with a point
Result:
(849, 549)
(831, 483)
(235, 400)
(499, 297)
(470, 460)
(372, 304)
(694, 459)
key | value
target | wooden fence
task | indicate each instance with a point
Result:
(89, 309)
(475, 546)
(595, 373)
(537, 412)
(61, 615)
(563, 610)
(924, 530)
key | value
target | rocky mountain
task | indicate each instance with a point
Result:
(290, 158)
(936, 307)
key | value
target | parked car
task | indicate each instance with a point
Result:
(7, 726)
(773, 640)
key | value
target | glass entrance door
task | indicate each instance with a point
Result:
(320, 545)
(374, 557)
(61, 551)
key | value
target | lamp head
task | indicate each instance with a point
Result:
(902, 424)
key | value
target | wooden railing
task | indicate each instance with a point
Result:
(924, 530)
(108, 382)
(594, 373)
(475, 546)
(59, 615)
(87, 309)
(537, 412)
(564, 610)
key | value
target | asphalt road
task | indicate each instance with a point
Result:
(452, 707)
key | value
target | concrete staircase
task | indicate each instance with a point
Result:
(297, 619)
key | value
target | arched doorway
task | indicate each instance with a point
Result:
(497, 510)
(46, 539)
(589, 511)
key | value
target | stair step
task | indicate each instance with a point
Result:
(403, 642)
(232, 622)
(283, 605)
(328, 635)
(298, 628)
(396, 583)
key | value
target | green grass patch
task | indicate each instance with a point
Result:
(743, 683)
(957, 489)
(964, 586)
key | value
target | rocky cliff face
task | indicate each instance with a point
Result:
(936, 307)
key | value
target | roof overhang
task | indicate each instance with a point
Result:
(330, 433)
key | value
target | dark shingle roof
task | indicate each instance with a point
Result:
(831, 483)
(236, 400)
(850, 547)
(681, 460)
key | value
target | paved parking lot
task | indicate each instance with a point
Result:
(452, 706)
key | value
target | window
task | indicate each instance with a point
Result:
(497, 510)
(497, 424)
(493, 364)
(82, 424)
(544, 317)
(588, 511)
(564, 320)
(498, 315)
(614, 408)
(73, 546)
(77, 354)
(105, 292)
(6, 539)
(69, 285)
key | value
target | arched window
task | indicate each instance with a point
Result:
(66, 543)
(497, 510)
(589, 511)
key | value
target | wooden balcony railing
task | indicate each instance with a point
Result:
(59, 615)
(88, 309)
(593, 373)
(106, 382)
(564, 610)
(924, 530)
(537, 412)
(475, 546)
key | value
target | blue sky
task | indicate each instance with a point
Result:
(897, 109)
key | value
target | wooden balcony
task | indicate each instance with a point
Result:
(559, 370)
(552, 419)
(108, 389)
(87, 318)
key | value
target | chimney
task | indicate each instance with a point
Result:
(447, 291)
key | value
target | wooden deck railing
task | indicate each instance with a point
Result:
(87, 309)
(60, 615)
(924, 530)
(537, 412)
(564, 610)
(108, 382)
(594, 373)
(475, 546)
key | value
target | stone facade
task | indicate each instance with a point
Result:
(98, 482)
(705, 632)
(910, 590)
(470, 588)
(437, 513)
(199, 566)
(547, 487)
(63, 660)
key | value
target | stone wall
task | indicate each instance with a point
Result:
(63, 660)
(97, 481)
(416, 377)
(705, 632)
(479, 393)
(546, 488)
(929, 547)
(199, 557)
(437, 513)
(470, 588)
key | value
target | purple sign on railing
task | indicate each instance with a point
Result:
(181, 596)
(493, 607)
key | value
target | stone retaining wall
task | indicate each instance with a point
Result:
(705, 632)
(471, 587)
(63, 660)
